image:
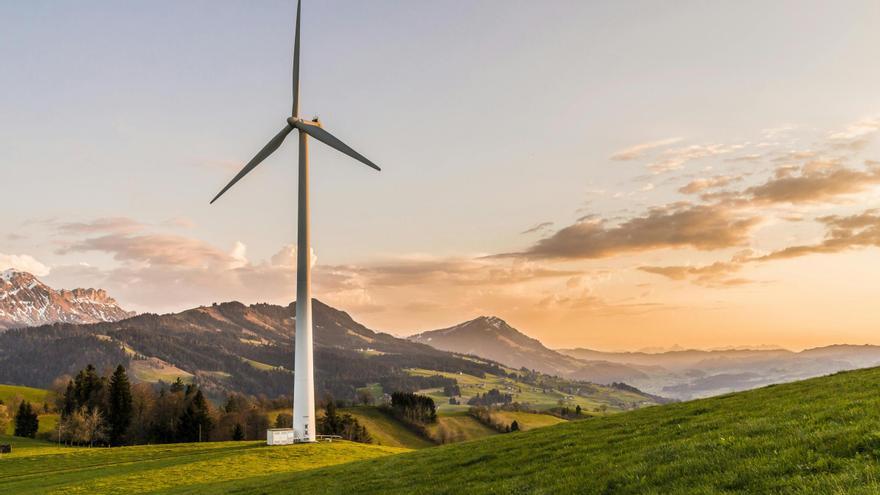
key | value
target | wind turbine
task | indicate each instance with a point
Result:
(304, 374)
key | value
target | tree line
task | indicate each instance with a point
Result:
(108, 410)
(491, 398)
(413, 408)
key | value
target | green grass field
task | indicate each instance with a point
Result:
(812, 437)
(37, 467)
(526, 421)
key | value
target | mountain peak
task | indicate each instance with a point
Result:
(490, 321)
(26, 301)
(11, 274)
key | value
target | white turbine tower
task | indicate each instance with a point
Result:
(304, 377)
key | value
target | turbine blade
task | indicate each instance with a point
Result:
(262, 155)
(316, 131)
(295, 111)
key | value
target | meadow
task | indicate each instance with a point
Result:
(815, 436)
(37, 467)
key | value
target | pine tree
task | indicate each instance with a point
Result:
(237, 432)
(196, 422)
(177, 386)
(331, 422)
(69, 404)
(120, 407)
(88, 388)
(26, 421)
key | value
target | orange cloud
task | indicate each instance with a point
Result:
(700, 185)
(680, 225)
(639, 150)
(842, 233)
(816, 182)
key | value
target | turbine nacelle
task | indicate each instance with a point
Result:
(294, 121)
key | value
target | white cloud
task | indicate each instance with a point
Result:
(286, 257)
(675, 159)
(639, 150)
(239, 255)
(23, 262)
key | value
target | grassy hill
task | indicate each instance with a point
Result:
(458, 427)
(35, 395)
(386, 430)
(816, 436)
(37, 467)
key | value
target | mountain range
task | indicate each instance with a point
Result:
(25, 301)
(233, 347)
(680, 374)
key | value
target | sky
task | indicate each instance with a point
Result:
(610, 175)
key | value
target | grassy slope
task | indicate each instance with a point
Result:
(35, 395)
(526, 421)
(386, 430)
(42, 468)
(816, 436)
(459, 427)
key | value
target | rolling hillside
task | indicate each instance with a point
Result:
(37, 467)
(815, 436)
(226, 347)
(30, 394)
(540, 397)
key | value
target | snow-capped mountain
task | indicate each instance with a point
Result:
(25, 302)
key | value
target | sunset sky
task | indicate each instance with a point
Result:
(615, 175)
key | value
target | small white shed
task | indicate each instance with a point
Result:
(280, 436)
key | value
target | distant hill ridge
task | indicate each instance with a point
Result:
(492, 338)
(25, 301)
(226, 347)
